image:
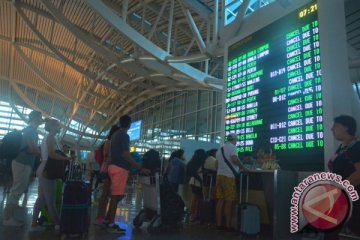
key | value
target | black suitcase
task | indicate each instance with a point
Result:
(75, 217)
(207, 205)
(248, 215)
(171, 205)
(75, 209)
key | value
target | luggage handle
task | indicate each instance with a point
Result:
(69, 177)
(210, 187)
(72, 170)
(241, 187)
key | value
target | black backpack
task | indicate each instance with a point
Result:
(11, 144)
(9, 150)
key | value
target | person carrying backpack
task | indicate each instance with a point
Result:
(176, 169)
(22, 166)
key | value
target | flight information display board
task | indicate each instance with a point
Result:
(274, 91)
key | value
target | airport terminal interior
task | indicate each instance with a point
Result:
(191, 74)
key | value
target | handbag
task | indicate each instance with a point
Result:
(55, 169)
(236, 174)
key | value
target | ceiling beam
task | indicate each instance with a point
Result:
(194, 29)
(29, 85)
(44, 78)
(89, 75)
(155, 9)
(87, 38)
(122, 27)
(84, 37)
(170, 25)
(23, 42)
(150, 35)
(126, 30)
(13, 40)
(35, 107)
(200, 8)
(90, 41)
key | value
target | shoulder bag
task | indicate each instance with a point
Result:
(236, 174)
(54, 168)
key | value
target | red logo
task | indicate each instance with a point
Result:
(325, 206)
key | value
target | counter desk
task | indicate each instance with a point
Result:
(271, 191)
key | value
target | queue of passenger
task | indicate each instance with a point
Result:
(211, 175)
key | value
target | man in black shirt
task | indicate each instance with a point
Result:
(120, 164)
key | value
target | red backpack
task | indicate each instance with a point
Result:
(99, 154)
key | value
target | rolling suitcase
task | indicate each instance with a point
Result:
(75, 209)
(207, 206)
(248, 215)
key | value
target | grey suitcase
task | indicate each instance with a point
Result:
(248, 215)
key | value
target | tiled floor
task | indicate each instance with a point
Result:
(126, 212)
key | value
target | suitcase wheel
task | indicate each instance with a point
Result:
(155, 225)
(139, 219)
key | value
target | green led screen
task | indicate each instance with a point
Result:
(274, 91)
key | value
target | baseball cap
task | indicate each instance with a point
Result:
(231, 136)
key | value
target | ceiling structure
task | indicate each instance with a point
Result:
(90, 61)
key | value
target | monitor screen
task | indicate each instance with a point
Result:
(135, 130)
(274, 91)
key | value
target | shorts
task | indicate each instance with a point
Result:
(118, 177)
(197, 191)
(226, 188)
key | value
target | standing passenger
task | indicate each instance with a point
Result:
(346, 163)
(22, 167)
(194, 172)
(226, 191)
(47, 187)
(121, 162)
(176, 169)
(104, 198)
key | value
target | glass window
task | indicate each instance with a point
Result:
(231, 8)
(191, 102)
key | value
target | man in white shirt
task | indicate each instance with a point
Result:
(226, 191)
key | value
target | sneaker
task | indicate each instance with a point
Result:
(11, 222)
(116, 229)
(37, 228)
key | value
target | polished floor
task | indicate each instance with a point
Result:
(126, 212)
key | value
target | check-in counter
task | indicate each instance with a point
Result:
(271, 191)
(261, 193)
